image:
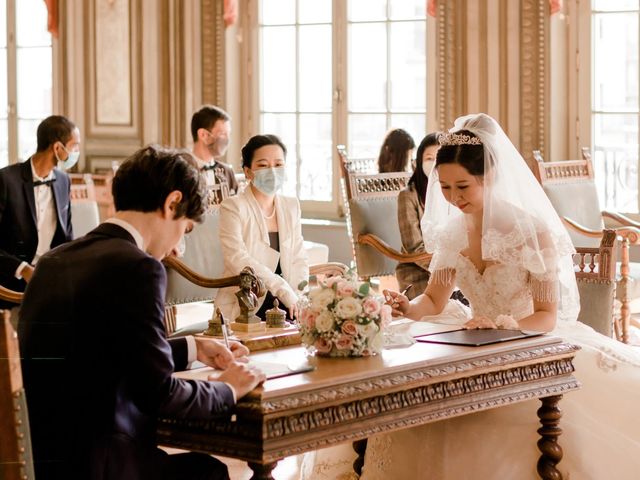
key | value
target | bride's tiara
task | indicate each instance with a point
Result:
(458, 139)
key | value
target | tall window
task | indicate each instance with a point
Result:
(615, 102)
(25, 76)
(338, 73)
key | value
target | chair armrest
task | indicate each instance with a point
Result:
(575, 226)
(196, 278)
(388, 251)
(631, 234)
(622, 219)
(331, 268)
(10, 295)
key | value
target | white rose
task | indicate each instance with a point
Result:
(348, 308)
(321, 298)
(376, 343)
(324, 322)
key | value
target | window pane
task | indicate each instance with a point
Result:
(27, 140)
(314, 68)
(407, 9)
(4, 143)
(366, 134)
(367, 67)
(3, 23)
(31, 23)
(315, 157)
(277, 12)
(615, 161)
(3, 83)
(278, 69)
(414, 124)
(367, 10)
(616, 62)
(284, 126)
(408, 66)
(34, 82)
(613, 5)
(315, 11)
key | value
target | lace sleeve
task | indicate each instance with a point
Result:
(544, 287)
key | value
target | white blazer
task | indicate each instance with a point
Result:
(245, 242)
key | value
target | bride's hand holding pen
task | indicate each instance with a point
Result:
(398, 302)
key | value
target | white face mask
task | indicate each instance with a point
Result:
(427, 166)
(72, 159)
(269, 180)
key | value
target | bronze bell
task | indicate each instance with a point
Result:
(276, 317)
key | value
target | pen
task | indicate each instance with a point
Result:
(403, 292)
(224, 330)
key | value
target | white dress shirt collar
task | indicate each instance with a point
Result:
(129, 228)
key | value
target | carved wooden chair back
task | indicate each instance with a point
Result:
(570, 186)
(216, 193)
(371, 207)
(10, 295)
(596, 276)
(16, 459)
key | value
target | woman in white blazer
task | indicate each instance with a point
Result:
(261, 229)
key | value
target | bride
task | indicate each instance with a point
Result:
(495, 235)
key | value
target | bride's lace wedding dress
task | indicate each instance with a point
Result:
(600, 423)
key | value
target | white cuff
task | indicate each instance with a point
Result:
(192, 350)
(233, 392)
(19, 270)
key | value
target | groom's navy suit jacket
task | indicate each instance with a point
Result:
(96, 362)
(18, 227)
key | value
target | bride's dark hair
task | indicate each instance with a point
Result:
(471, 157)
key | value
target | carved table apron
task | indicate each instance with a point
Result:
(350, 399)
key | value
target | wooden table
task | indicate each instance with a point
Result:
(350, 399)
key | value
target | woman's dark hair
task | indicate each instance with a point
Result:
(256, 142)
(419, 178)
(145, 179)
(55, 128)
(393, 153)
(471, 157)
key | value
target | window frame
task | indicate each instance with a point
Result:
(12, 81)
(250, 91)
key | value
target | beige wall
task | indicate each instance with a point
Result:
(132, 72)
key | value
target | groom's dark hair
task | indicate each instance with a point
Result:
(471, 157)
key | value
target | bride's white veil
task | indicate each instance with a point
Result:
(520, 226)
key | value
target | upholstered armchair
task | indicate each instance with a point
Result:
(570, 186)
(16, 459)
(371, 205)
(596, 278)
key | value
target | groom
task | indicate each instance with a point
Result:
(96, 362)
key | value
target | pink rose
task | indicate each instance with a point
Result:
(349, 328)
(344, 342)
(345, 289)
(385, 315)
(322, 345)
(308, 318)
(371, 306)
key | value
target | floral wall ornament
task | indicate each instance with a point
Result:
(52, 17)
(230, 12)
(555, 6)
(431, 8)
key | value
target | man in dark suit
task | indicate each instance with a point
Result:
(96, 362)
(35, 210)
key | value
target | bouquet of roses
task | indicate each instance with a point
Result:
(342, 317)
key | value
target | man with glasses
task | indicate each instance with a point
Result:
(210, 129)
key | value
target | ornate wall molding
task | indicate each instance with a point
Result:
(213, 58)
(534, 26)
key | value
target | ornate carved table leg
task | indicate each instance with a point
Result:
(549, 415)
(360, 447)
(262, 471)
